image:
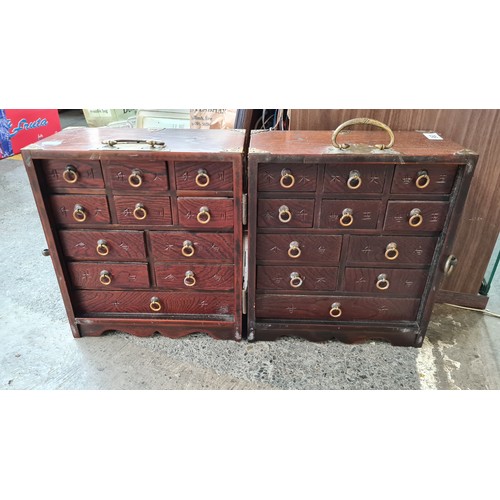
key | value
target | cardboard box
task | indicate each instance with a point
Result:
(103, 117)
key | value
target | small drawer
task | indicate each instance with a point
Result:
(108, 276)
(415, 216)
(207, 213)
(403, 282)
(103, 245)
(138, 176)
(80, 209)
(350, 214)
(143, 210)
(285, 213)
(423, 179)
(391, 249)
(184, 246)
(203, 176)
(354, 178)
(72, 174)
(335, 308)
(299, 248)
(194, 276)
(300, 278)
(287, 177)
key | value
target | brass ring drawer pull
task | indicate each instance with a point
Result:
(294, 251)
(155, 304)
(423, 179)
(287, 180)
(382, 282)
(70, 174)
(79, 214)
(295, 280)
(140, 213)
(335, 310)
(284, 214)
(416, 218)
(354, 181)
(391, 251)
(450, 264)
(135, 178)
(105, 277)
(363, 121)
(187, 249)
(202, 179)
(102, 247)
(203, 216)
(346, 219)
(189, 279)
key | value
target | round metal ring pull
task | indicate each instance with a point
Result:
(189, 279)
(284, 214)
(415, 218)
(354, 181)
(102, 247)
(155, 304)
(423, 179)
(79, 214)
(391, 251)
(135, 178)
(140, 213)
(105, 277)
(287, 180)
(294, 251)
(382, 282)
(295, 280)
(70, 174)
(202, 178)
(335, 310)
(450, 264)
(203, 216)
(187, 249)
(347, 218)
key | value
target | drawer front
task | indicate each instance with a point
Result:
(194, 276)
(404, 282)
(184, 246)
(108, 276)
(300, 278)
(80, 209)
(350, 214)
(424, 215)
(299, 248)
(354, 178)
(103, 245)
(391, 249)
(137, 176)
(207, 213)
(123, 302)
(287, 177)
(143, 210)
(432, 179)
(72, 174)
(285, 213)
(293, 307)
(203, 176)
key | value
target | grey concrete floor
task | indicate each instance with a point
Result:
(37, 350)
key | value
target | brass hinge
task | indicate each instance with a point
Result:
(244, 209)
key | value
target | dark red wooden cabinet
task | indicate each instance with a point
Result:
(145, 237)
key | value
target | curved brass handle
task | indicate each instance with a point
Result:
(155, 304)
(284, 214)
(354, 181)
(295, 280)
(102, 247)
(189, 279)
(287, 180)
(140, 213)
(203, 216)
(347, 219)
(113, 142)
(363, 121)
(79, 213)
(294, 251)
(382, 282)
(202, 179)
(135, 178)
(105, 277)
(70, 174)
(335, 310)
(415, 218)
(187, 249)
(391, 251)
(450, 264)
(423, 179)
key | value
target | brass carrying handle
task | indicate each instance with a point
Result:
(203, 216)
(346, 219)
(363, 121)
(391, 251)
(152, 143)
(135, 178)
(287, 180)
(79, 213)
(187, 249)
(295, 280)
(70, 174)
(140, 213)
(354, 181)
(423, 179)
(102, 247)
(189, 279)
(105, 277)
(382, 282)
(202, 178)
(284, 214)
(155, 304)
(294, 251)
(416, 218)
(450, 264)
(335, 310)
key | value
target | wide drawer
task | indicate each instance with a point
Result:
(107, 275)
(289, 177)
(335, 308)
(423, 179)
(209, 213)
(80, 209)
(103, 245)
(415, 216)
(138, 176)
(194, 276)
(67, 173)
(303, 278)
(203, 176)
(285, 213)
(354, 178)
(143, 210)
(350, 214)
